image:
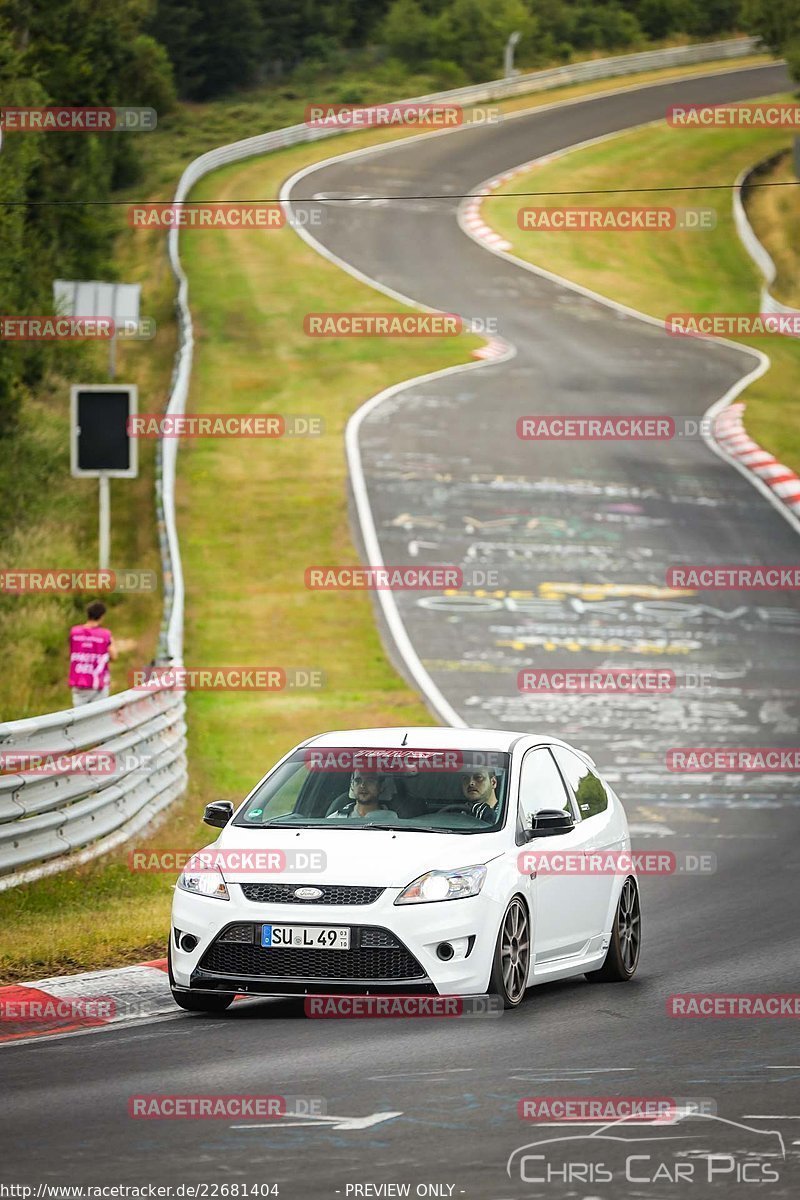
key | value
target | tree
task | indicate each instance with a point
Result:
(660, 18)
(54, 222)
(777, 23)
(409, 33)
(177, 26)
(604, 26)
(22, 283)
(474, 35)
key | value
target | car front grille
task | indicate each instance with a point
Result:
(375, 955)
(332, 893)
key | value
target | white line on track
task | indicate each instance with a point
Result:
(416, 1074)
(330, 1122)
(535, 1072)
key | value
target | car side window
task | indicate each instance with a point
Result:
(588, 789)
(540, 786)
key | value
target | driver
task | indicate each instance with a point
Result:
(366, 789)
(479, 787)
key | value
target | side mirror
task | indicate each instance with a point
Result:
(218, 814)
(551, 822)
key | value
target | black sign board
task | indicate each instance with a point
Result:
(101, 444)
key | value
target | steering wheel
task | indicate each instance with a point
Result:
(459, 808)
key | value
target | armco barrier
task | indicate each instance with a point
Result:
(55, 819)
(49, 823)
(752, 245)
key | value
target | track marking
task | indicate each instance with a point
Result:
(329, 1121)
(655, 830)
(417, 1074)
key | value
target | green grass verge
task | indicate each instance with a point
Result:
(672, 271)
(774, 213)
(252, 515)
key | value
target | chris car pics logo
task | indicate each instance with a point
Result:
(686, 1148)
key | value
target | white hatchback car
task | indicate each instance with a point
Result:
(402, 861)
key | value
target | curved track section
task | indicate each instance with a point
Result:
(578, 536)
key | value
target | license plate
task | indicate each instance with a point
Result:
(306, 937)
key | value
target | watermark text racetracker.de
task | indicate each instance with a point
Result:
(627, 219)
(760, 115)
(198, 215)
(369, 1007)
(214, 859)
(610, 427)
(738, 577)
(393, 578)
(59, 328)
(732, 324)
(593, 1109)
(392, 760)
(84, 119)
(595, 427)
(205, 1107)
(740, 1005)
(30, 580)
(226, 679)
(58, 762)
(616, 862)
(577, 680)
(405, 114)
(734, 760)
(224, 425)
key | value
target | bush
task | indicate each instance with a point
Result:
(605, 27)
(792, 56)
(446, 74)
(660, 18)
(351, 95)
(409, 33)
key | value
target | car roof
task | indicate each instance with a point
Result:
(431, 737)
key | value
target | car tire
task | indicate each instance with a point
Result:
(207, 1002)
(512, 955)
(622, 957)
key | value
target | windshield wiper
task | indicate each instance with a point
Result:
(324, 823)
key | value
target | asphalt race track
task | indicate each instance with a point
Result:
(434, 1102)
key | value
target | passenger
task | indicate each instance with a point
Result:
(479, 787)
(364, 799)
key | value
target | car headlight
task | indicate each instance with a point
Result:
(204, 883)
(444, 885)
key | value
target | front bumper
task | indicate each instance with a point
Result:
(393, 947)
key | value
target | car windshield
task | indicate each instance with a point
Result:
(435, 791)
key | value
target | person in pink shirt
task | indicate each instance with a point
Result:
(91, 649)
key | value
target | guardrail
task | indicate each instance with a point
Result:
(758, 252)
(49, 823)
(55, 816)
